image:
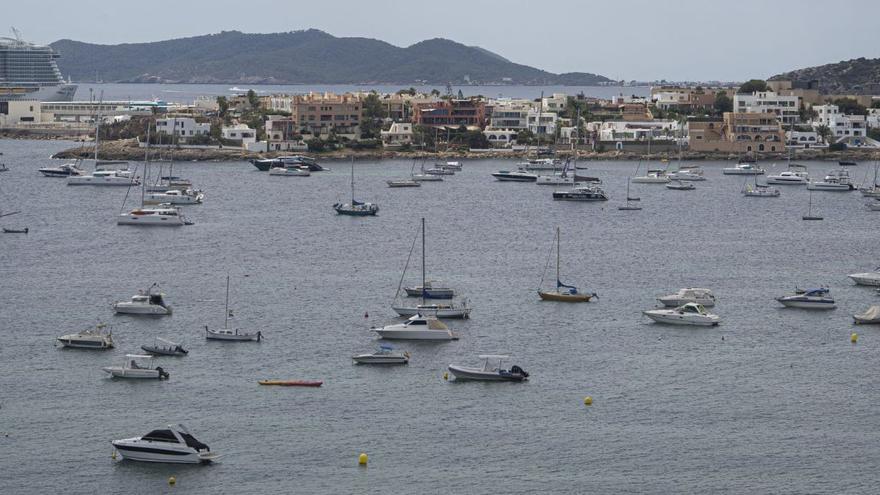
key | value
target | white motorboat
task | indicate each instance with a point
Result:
(514, 176)
(433, 289)
(809, 299)
(686, 314)
(677, 185)
(144, 303)
(164, 347)
(385, 354)
(424, 177)
(404, 183)
(417, 327)
(491, 370)
(581, 193)
(291, 171)
(760, 192)
(687, 174)
(543, 164)
(91, 338)
(158, 216)
(174, 445)
(64, 170)
(453, 165)
(439, 171)
(743, 168)
(703, 297)
(227, 335)
(137, 366)
(175, 197)
(835, 181)
(652, 177)
(789, 178)
(555, 180)
(871, 316)
(454, 309)
(867, 278)
(104, 178)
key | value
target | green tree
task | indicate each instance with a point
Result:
(874, 133)
(253, 99)
(752, 85)
(850, 106)
(223, 105)
(824, 132)
(435, 92)
(723, 103)
(373, 113)
(411, 91)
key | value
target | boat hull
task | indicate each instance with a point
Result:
(560, 297)
(463, 373)
(138, 450)
(438, 312)
(234, 337)
(150, 220)
(825, 186)
(162, 351)
(409, 334)
(291, 383)
(677, 319)
(141, 309)
(515, 178)
(78, 180)
(137, 374)
(374, 359)
(84, 344)
(790, 303)
(870, 279)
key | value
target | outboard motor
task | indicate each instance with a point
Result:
(517, 370)
(162, 373)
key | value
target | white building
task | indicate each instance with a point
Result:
(545, 125)
(804, 140)
(554, 103)
(841, 125)
(873, 118)
(15, 112)
(400, 134)
(182, 127)
(500, 138)
(786, 108)
(623, 130)
(239, 132)
(510, 114)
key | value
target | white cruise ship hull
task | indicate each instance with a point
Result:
(58, 92)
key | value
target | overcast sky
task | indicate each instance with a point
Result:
(620, 39)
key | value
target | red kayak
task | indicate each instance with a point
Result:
(292, 383)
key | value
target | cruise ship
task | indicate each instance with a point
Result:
(29, 72)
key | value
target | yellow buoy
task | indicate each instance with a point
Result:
(172, 481)
(446, 375)
(113, 455)
(854, 337)
(588, 401)
(362, 459)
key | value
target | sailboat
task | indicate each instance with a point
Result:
(230, 335)
(562, 292)
(107, 172)
(449, 309)
(355, 208)
(163, 215)
(809, 215)
(874, 190)
(628, 199)
(406, 182)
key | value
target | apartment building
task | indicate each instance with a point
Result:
(736, 132)
(322, 114)
(183, 128)
(470, 113)
(786, 108)
(841, 125)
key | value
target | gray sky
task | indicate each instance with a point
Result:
(620, 39)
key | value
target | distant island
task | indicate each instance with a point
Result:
(300, 57)
(856, 76)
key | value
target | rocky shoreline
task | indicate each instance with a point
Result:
(129, 150)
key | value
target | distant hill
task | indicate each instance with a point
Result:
(306, 57)
(856, 76)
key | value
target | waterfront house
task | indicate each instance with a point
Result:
(183, 128)
(239, 132)
(736, 132)
(399, 135)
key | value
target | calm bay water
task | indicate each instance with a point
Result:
(186, 93)
(773, 400)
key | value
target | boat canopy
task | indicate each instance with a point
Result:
(816, 292)
(493, 356)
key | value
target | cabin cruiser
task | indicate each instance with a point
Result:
(417, 327)
(743, 168)
(581, 193)
(696, 295)
(678, 185)
(871, 316)
(686, 314)
(175, 445)
(384, 355)
(867, 278)
(232, 335)
(64, 170)
(687, 174)
(104, 178)
(163, 215)
(433, 290)
(404, 183)
(515, 176)
(175, 197)
(809, 299)
(290, 171)
(652, 177)
(838, 180)
(440, 310)
(164, 347)
(758, 191)
(491, 370)
(91, 338)
(789, 177)
(144, 303)
(137, 366)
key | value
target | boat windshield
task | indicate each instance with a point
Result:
(160, 436)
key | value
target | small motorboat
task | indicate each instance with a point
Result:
(417, 327)
(867, 278)
(91, 338)
(292, 383)
(871, 316)
(164, 347)
(555, 180)
(703, 297)
(144, 303)
(686, 314)
(492, 370)
(441, 310)
(404, 183)
(175, 445)
(137, 366)
(356, 209)
(228, 335)
(385, 354)
(743, 168)
(838, 180)
(15, 231)
(809, 299)
(760, 192)
(65, 170)
(433, 290)
(290, 171)
(678, 185)
(581, 193)
(514, 176)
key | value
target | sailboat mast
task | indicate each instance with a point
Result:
(352, 181)
(98, 128)
(557, 256)
(146, 166)
(226, 312)
(424, 289)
